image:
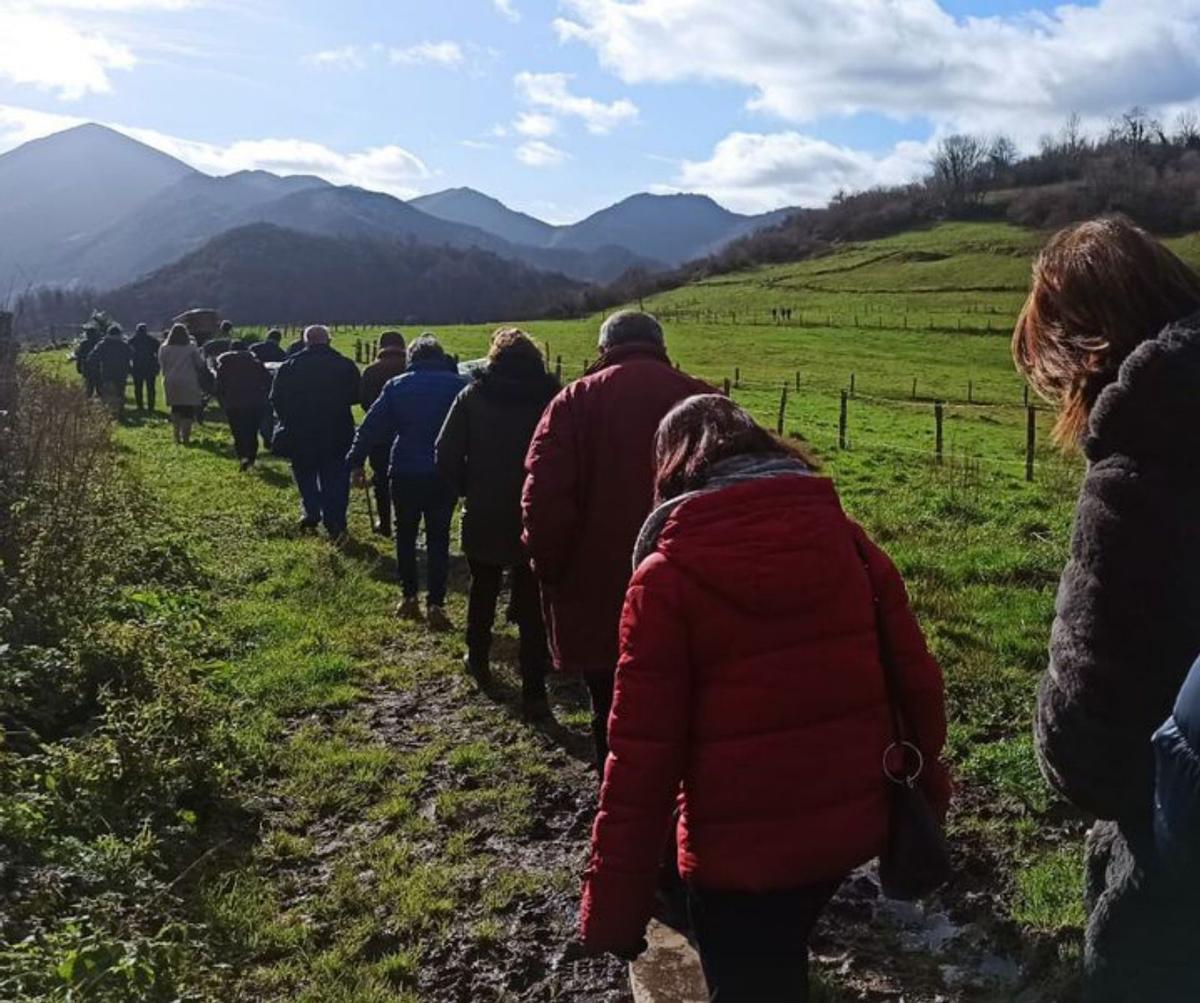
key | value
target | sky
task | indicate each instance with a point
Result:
(561, 107)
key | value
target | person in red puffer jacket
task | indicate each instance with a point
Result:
(750, 696)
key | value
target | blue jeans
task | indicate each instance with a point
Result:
(324, 484)
(423, 497)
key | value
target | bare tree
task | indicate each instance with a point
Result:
(1002, 154)
(1187, 129)
(958, 168)
(1072, 139)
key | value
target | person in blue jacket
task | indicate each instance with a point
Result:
(1177, 784)
(409, 414)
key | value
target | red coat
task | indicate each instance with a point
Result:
(590, 485)
(750, 674)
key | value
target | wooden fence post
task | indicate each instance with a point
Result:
(727, 387)
(939, 416)
(782, 410)
(797, 380)
(851, 384)
(558, 369)
(970, 391)
(1027, 395)
(914, 392)
(843, 420)
(1030, 441)
(737, 376)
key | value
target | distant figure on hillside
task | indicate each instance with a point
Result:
(110, 363)
(409, 413)
(589, 488)
(1111, 334)
(270, 350)
(91, 337)
(243, 386)
(391, 362)
(481, 454)
(313, 396)
(751, 706)
(145, 367)
(185, 374)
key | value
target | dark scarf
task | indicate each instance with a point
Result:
(725, 474)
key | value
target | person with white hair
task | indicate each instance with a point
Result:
(313, 396)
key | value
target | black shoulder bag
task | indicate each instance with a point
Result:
(916, 861)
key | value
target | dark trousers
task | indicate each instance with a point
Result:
(266, 427)
(381, 457)
(244, 423)
(145, 386)
(526, 608)
(754, 945)
(427, 498)
(324, 484)
(600, 689)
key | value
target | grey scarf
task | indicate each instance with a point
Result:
(727, 473)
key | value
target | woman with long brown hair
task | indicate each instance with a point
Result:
(1111, 334)
(751, 690)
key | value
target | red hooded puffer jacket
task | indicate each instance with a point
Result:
(750, 674)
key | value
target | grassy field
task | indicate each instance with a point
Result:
(416, 842)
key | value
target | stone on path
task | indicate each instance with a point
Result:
(669, 971)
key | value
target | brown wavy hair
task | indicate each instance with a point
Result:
(1100, 289)
(511, 343)
(704, 430)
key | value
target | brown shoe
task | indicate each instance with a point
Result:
(438, 622)
(409, 609)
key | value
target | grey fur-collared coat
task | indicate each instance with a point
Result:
(1126, 632)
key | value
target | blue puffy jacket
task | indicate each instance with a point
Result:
(1177, 782)
(409, 413)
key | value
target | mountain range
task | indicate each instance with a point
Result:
(91, 208)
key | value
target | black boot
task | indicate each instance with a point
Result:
(383, 506)
(478, 668)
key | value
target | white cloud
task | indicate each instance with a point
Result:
(347, 57)
(552, 91)
(535, 125)
(754, 172)
(906, 58)
(52, 53)
(538, 153)
(387, 168)
(447, 54)
(507, 9)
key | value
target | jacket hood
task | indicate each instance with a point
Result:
(516, 382)
(1153, 408)
(764, 545)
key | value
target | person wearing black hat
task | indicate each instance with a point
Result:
(109, 364)
(144, 347)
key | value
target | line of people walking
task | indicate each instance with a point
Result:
(764, 704)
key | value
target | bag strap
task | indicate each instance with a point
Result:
(891, 678)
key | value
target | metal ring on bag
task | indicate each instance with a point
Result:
(903, 747)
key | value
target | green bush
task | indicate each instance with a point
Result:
(118, 763)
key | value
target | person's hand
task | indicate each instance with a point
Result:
(358, 478)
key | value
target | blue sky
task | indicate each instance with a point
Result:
(560, 107)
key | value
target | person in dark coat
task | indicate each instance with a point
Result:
(391, 362)
(270, 350)
(243, 387)
(752, 706)
(1111, 334)
(313, 395)
(409, 414)
(145, 367)
(110, 362)
(588, 490)
(91, 337)
(1177, 784)
(481, 454)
